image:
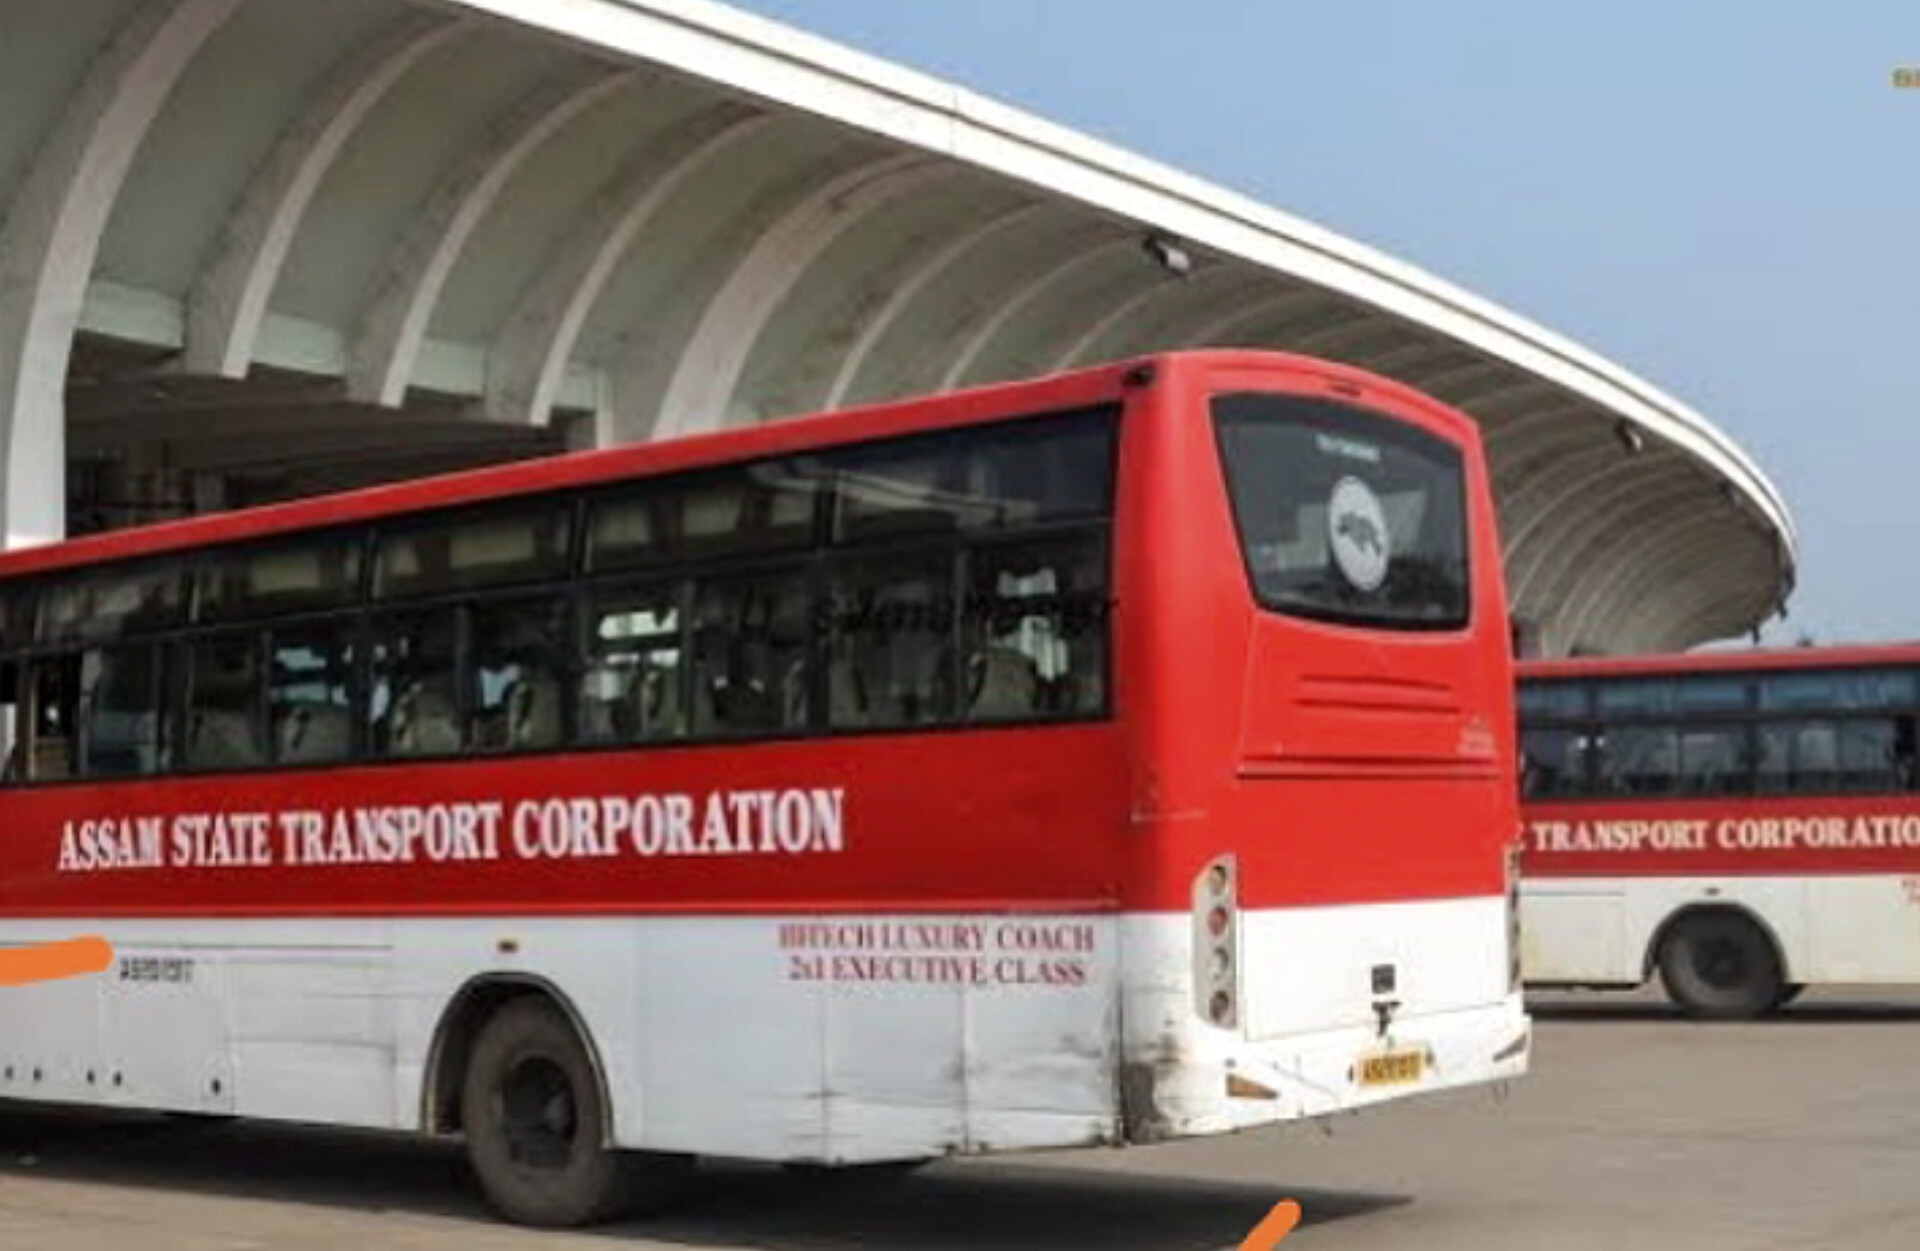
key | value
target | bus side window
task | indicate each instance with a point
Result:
(52, 718)
(749, 656)
(519, 679)
(226, 684)
(309, 692)
(1037, 630)
(413, 703)
(632, 686)
(1641, 760)
(890, 652)
(13, 721)
(124, 704)
(1553, 763)
(1902, 753)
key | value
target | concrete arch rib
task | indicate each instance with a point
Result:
(1712, 617)
(1521, 448)
(1219, 329)
(1573, 478)
(1168, 317)
(1432, 380)
(1676, 553)
(530, 354)
(1558, 566)
(974, 348)
(710, 366)
(1402, 364)
(228, 303)
(394, 325)
(51, 237)
(1627, 575)
(1633, 581)
(1650, 624)
(1347, 342)
(1077, 350)
(1566, 552)
(1502, 409)
(887, 314)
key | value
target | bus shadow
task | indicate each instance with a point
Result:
(992, 1206)
(996, 1207)
(1861, 1011)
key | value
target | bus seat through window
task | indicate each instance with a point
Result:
(533, 712)
(846, 698)
(1004, 684)
(218, 738)
(425, 721)
(312, 733)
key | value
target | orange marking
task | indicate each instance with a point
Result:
(47, 962)
(1279, 1223)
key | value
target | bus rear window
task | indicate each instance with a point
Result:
(1345, 515)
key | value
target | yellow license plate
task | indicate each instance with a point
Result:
(1393, 1068)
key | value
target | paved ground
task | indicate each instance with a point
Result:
(1637, 1130)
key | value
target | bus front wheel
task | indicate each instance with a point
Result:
(537, 1126)
(1721, 966)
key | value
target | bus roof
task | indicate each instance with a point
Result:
(1849, 657)
(587, 468)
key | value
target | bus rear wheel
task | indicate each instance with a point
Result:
(1720, 966)
(537, 1126)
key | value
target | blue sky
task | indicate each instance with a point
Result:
(1723, 195)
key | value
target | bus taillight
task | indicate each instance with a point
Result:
(1215, 962)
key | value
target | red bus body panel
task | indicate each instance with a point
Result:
(1724, 836)
(1390, 748)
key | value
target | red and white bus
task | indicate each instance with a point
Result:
(1745, 824)
(1111, 758)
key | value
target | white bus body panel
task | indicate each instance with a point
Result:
(1830, 929)
(712, 1040)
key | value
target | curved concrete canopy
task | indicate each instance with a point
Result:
(300, 245)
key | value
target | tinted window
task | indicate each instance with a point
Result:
(413, 701)
(1554, 763)
(989, 477)
(890, 655)
(1870, 754)
(634, 686)
(1638, 760)
(16, 619)
(749, 656)
(53, 719)
(282, 577)
(1345, 515)
(223, 703)
(123, 701)
(494, 547)
(1036, 629)
(109, 605)
(1552, 700)
(1661, 697)
(762, 508)
(1838, 690)
(756, 606)
(1715, 760)
(309, 693)
(520, 651)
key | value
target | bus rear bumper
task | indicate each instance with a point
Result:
(1222, 1083)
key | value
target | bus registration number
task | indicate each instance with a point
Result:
(1393, 1068)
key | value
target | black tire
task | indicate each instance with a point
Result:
(537, 1126)
(1720, 966)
